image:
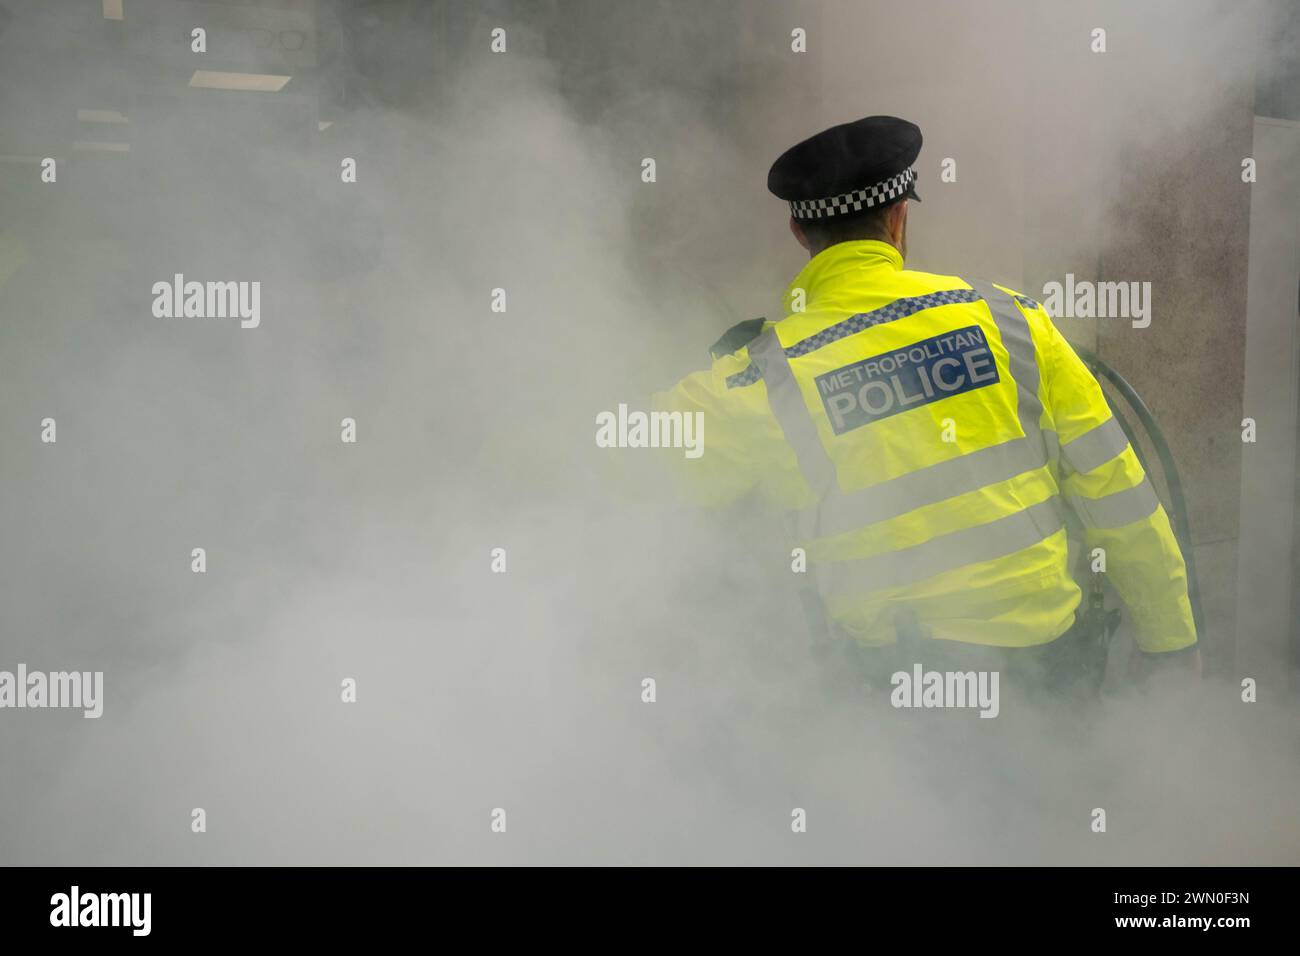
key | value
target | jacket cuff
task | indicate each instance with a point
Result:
(1160, 631)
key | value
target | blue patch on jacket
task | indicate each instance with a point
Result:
(905, 378)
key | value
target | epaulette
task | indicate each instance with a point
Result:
(737, 337)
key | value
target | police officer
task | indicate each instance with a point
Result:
(930, 436)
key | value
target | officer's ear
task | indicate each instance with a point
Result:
(797, 231)
(896, 222)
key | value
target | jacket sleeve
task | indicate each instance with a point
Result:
(1107, 488)
(744, 449)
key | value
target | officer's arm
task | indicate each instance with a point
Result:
(743, 449)
(1108, 490)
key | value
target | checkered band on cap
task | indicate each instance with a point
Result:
(855, 201)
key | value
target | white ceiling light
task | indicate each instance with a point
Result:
(101, 116)
(113, 10)
(256, 82)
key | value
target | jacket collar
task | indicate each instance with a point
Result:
(834, 262)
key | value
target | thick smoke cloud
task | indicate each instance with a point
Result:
(328, 560)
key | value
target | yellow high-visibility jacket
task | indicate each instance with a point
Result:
(928, 435)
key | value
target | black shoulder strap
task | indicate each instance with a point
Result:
(737, 337)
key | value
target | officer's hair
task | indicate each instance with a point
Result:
(868, 224)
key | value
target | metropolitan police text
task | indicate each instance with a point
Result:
(917, 374)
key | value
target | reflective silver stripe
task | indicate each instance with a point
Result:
(791, 412)
(849, 511)
(1051, 444)
(1095, 447)
(1020, 351)
(984, 542)
(1118, 509)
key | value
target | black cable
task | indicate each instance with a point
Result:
(1173, 482)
